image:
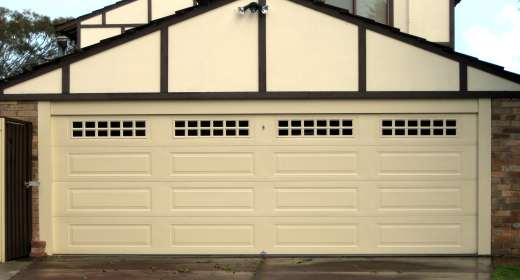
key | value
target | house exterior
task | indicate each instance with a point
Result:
(308, 129)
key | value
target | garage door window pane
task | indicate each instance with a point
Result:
(418, 128)
(211, 128)
(315, 128)
(109, 129)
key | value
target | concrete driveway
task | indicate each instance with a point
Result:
(184, 268)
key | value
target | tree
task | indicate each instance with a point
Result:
(26, 40)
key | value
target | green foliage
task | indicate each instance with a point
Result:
(26, 40)
(506, 272)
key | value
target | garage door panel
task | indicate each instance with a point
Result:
(104, 163)
(426, 198)
(215, 199)
(420, 163)
(212, 235)
(110, 235)
(316, 198)
(109, 164)
(103, 198)
(332, 235)
(339, 199)
(425, 162)
(316, 163)
(435, 235)
(110, 199)
(213, 164)
(327, 163)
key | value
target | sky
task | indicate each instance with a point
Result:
(487, 29)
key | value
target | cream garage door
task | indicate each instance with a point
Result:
(279, 184)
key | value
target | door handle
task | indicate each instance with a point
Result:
(31, 184)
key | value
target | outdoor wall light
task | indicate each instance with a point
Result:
(253, 7)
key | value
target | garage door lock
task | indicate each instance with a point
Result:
(32, 184)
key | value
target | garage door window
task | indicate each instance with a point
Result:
(418, 128)
(109, 129)
(315, 128)
(211, 128)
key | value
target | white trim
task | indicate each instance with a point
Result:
(45, 175)
(484, 177)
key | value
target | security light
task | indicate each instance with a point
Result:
(253, 7)
(264, 9)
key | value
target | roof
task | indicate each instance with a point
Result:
(190, 12)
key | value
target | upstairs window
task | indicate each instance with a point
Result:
(372, 9)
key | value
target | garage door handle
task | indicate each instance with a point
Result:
(31, 184)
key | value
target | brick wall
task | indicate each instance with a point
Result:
(27, 111)
(506, 177)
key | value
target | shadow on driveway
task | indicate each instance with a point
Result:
(238, 268)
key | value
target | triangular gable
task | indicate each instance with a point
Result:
(300, 46)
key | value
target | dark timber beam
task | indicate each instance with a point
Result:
(463, 76)
(260, 96)
(65, 79)
(149, 10)
(362, 57)
(262, 50)
(164, 59)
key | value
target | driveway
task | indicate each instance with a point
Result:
(184, 268)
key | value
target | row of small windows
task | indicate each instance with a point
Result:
(286, 128)
(419, 128)
(313, 128)
(208, 128)
(105, 129)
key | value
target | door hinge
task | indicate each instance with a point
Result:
(32, 184)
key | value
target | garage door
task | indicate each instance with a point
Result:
(279, 184)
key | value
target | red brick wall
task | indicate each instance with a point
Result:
(506, 177)
(27, 111)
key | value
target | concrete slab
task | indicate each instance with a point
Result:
(377, 268)
(10, 269)
(247, 268)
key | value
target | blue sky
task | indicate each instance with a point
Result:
(487, 29)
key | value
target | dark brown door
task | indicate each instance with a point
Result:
(18, 198)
